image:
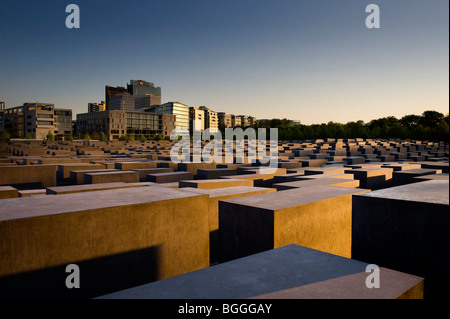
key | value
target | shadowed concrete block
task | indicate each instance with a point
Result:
(143, 172)
(354, 160)
(169, 177)
(405, 228)
(438, 165)
(45, 175)
(193, 167)
(118, 238)
(59, 190)
(215, 183)
(8, 192)
(64, 170)
(111, 177)
(77, 177)
(289, 272)
(220, 194)
(372, 177)
(318, 217)
(408, 176)
(214, 173)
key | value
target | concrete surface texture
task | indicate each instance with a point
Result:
(186, 228)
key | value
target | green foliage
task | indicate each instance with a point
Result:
(158, 137)
(50, 136)
(28, 136)
(68, 137)
(103, 137)
(87, 137)
(431, 125)
(5, 136)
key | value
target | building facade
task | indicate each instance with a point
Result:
(195, 114)
(97, 107)
(140, 87)
(111, 91)
(36, 120)
(180, 110)
(211, 119)
(225, 120)
(116, 123)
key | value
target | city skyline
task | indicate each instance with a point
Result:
(309, 61)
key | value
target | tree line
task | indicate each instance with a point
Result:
(430, 125)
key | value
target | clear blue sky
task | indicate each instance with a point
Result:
(313, 61)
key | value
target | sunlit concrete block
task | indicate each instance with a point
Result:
(217, 194)
(289, 272)
(318, 217)
(64, 170)
(214, 173)
(169, 177)
(214, 183)
(45, 175)
(143, 172)
(405, 228)
(8, 192)
(124, 166)
(60, 190)
(77, 177)
(118, 238)
(111, 177)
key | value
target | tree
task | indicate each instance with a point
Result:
(410, 121)
(158, 137)
(87, 137)
(50, 136)
(69, 137)
(5, 136)
(431, 118)
(103, 137)
(28, 136)
(142, 138)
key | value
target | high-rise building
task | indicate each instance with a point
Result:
(140, 87)
(123, 102)
(195, 114)
(146, 101)
(37, 120)
(111, 91)
(211, 119)
(175, 108)
(97, 107)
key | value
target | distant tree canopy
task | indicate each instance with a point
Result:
(430, 125)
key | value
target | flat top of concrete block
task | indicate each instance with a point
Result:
(7, 188)
(419, 171)
(431, 191)
(433, 176)
(294, 197)
(227, 191)
(171, 173)
(273, 271)
(35, 206)
(111, 172)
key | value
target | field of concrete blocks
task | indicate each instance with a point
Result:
(138, 225)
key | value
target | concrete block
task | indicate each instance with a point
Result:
(215, 195)
(111, 177)
(44, 175)
(214, 173)
(289, 272)
(8, 192)
(119, 239)
(318, 217)
(169, 177)
(77, 177)
(215, 183)
(405, 228)
(372, 177)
